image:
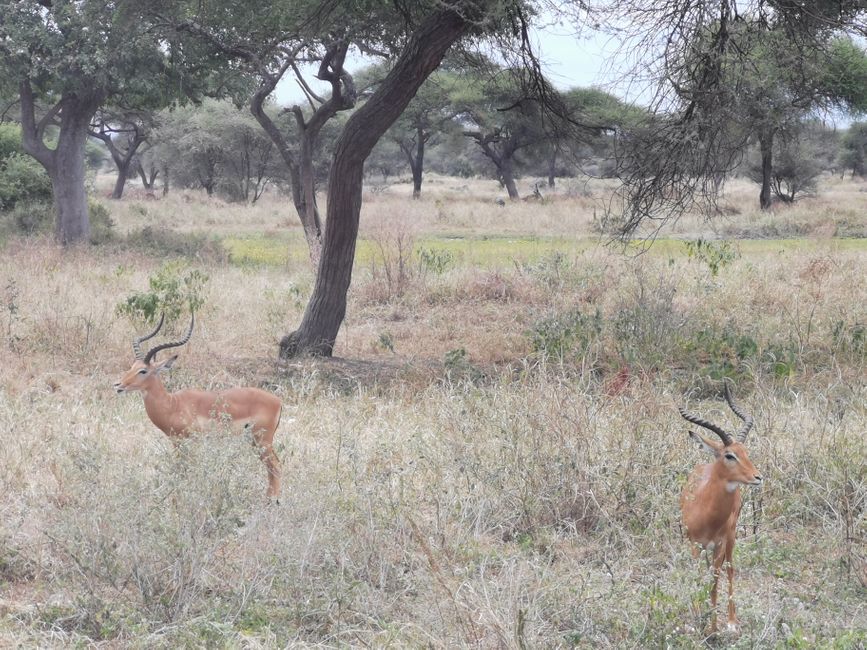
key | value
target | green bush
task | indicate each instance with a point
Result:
(22, 179)
(162, 242)
(34, 218)
(173, 290)
(101, 223)
(571, 333)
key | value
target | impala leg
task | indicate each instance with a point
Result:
(272, 463)
(719, 554)
(730, 571)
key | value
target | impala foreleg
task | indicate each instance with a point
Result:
(730, 571)
(719, 554)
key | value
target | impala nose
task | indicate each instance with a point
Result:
(118, 387)
(759, 479)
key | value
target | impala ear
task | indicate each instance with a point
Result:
(166, 365)
(708, 445)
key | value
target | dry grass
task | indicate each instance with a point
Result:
(493, 461)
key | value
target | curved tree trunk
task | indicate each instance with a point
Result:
(327, 307)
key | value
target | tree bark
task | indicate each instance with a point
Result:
(421, 56)
(415, 158)
(508, 176)
(766, 145)
(552, 167)
(65, 163)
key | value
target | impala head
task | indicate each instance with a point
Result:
(732, 460)
(145, 367)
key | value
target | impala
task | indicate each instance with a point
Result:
(181, 414)
(711, 500)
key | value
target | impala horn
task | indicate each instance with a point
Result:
(726, 438)
(743, 415)
(150, 355)
(136, 343)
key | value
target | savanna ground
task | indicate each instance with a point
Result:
(493, 459)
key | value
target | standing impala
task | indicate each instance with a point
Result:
(188, 411)
(711, 499)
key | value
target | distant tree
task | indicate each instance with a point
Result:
(425, 121)
(726, 72)
(215, 146)
(122, 132)
(853, 155)
(797, 163)
(70, 58)
(500, 119)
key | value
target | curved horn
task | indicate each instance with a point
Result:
(136, 343)
(726, 438)
(150, 355)
(743, 415)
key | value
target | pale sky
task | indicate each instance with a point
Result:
(568, 61)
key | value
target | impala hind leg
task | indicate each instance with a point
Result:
(272, 463)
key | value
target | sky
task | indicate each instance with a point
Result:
(567, 59)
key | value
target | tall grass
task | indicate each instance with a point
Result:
(504, 474)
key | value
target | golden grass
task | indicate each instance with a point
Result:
(493, 497)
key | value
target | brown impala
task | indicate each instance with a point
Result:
(183, 413)
(711, 499)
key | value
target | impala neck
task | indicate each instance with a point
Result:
(723, 491)
(158, 402)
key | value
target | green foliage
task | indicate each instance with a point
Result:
(101, 223)
(719, 353)
(567, 334)
(715, 255)
(853, 155)
(459, 367)
(386, 341)
(435, 260)
(174, 290)
(21, 177)
(162, 242)
(32, 218)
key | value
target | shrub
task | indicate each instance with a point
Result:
(174, 290)
(571, 333)
(22, 179)
(101, 223)
(161, 242)
(32, 218)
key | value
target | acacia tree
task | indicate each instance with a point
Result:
(500, 119)
(69, 59)
(122, 133)
(441, 25)
(271, 40)
(673, 163)
(428, 116)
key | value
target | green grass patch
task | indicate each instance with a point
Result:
(499, 250)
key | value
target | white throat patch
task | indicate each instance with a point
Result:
(731, 486)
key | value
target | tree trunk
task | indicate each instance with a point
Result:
(67, 181)
(418, 167)
(421, 56)
(552, 168)
(508, 176)
(766, 144)
(65, 163)
(309, 216)
(120, 183)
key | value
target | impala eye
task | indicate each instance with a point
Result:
(731, 456)
(143, 371)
